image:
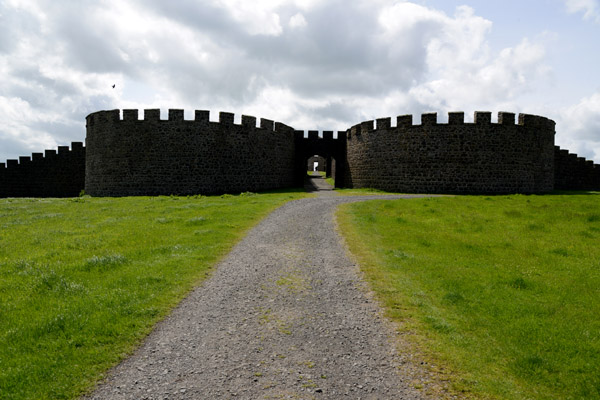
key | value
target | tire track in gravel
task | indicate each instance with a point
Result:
(284, 316)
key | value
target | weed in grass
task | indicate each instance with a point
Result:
(593, 218)
(439, 324)
(586, 234)
(536, 227)
(519, 283)
(425, 243)
(560, 252)
(104, 262)
(513, 214)
(454, 297)
(49, 280)
(197, 221)
(203, 232)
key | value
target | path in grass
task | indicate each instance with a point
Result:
(285, 315)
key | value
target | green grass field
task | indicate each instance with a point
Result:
(83, 280)
(502, 293)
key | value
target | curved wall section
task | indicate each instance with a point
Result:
(129, 156)
(457, 157)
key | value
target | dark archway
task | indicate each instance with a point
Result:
(333, 150)
(317, 163)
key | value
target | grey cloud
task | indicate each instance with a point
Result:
(11, 148)
(90, 47)
(63, 132)
(337, 111)
(200, 16)
(590, 129)
(15, 27)
(31, 80)
(338, 53)
(8, 32)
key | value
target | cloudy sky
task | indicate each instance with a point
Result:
(312, 64)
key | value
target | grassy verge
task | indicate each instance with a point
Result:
(504, 292)
(83, 280)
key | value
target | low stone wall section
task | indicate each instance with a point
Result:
(574, 173)
(455, 157)
(50, 174)
(130, 157)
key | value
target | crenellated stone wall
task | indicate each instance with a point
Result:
(51, 174)
(456, 157)
(574, 173)
(130, 157)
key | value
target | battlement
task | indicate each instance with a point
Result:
(504, 156)
(36, 158)
(128, 156)
(481, 118)
(314, 135)
(201, 117)
(572, 172)
(54, 173)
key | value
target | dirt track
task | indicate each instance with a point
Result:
(285, 315)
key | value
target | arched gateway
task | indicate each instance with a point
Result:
(333, 150)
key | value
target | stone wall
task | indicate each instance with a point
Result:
(574, 173)
(457, 157)
(130, 157)
(52, 174)
(321, 166)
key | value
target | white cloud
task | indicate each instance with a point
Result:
(589, 8)
(579, 127)
(297, 21)
(489, 82)
(258, 18)
(19, 130)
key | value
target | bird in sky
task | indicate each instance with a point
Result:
(114, 86)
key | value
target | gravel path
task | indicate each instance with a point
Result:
(285, 315)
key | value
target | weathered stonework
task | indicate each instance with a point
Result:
(129, 156)
(457, 157)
